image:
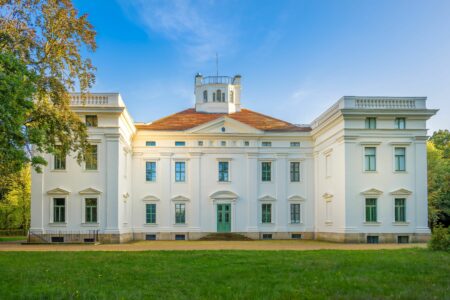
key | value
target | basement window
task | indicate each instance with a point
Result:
(372, 239)
(57, 239)
(296, 236)
(403, 239)
(267, 236)
(180, 237)
(180, 144)
(150, 237)
(150, 143)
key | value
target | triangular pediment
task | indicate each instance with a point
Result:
(223, 195)
(58, 191)
(224, 125)
(296, 198)
(90, 191)
(401, 192)
(267, 198)
(150, 198)
(372, 192)
(180, 198)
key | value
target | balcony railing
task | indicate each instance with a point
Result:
(217, 80)
(95, 99)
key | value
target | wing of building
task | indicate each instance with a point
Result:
(357, 173)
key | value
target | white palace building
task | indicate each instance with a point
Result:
(357, 173)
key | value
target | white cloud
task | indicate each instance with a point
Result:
(198, 28)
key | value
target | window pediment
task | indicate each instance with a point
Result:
(90, 191)
(224, 195)
(180, 198)
(401, 192)
(58, 191)
(296, 198)
(372, 192)
(267, 198)
(150, 198)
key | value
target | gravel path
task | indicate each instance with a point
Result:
(207, 245)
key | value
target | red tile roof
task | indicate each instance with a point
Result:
(189, 118)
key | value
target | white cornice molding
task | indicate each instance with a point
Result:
(90, 191)
(296, 198)
(372, 192)
(224, 194)
(150, 198)
(267, 198)
(180, 198)
(401, 192)
(58, 191)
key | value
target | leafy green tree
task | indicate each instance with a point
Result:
(48, 37)
(438, 186)
(441, 140)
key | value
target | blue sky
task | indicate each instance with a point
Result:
(296, 57)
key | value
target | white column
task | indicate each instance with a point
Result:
(37, 202)
(252, 191)
(420, 196)
(112, 198)
(281, 192)
(195, 187)
(164, 179)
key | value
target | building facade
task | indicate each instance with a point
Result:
(357, 173)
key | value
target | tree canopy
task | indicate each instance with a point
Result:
(41, 47)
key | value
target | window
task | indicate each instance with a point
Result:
(371, 210)
(59, 159)
(214, 97)
(205, 96)
(266, 144)
(370, 159)
(400, 123)
(266, 213)
(223, 143)
(223, 97)
(295, 171)
(180, 144)
(224, 171)
(200, 143)
(267, 236)
(150, 171)
(266, 171)
(180, 213)
(400, 210)
(219, 95)
(150, 237)
(371, 123)
(180, 171)
(403, 239)
(246, 143)
(57, 239)
(295, 144)
(400, 161)
(180, 237)
(150, 213)
(231, 96)
(372, 239)
(91, 210)
(91, 121)
(150, 143)
(91, 157)
(59, 210)
(296, 236)
(295, 213)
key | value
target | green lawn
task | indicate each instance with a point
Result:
(399, 274)
(12, 238)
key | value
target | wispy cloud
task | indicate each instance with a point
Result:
(198, 28)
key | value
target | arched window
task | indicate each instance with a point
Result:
(223, 97)
(214, 97)
(205, 96)
(219, 93)
(232, 96)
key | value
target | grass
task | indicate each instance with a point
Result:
(12, 238)
(376, 274)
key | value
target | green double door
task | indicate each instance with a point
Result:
(223, 217)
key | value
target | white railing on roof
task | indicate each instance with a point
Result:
(385, 103)
(95, 99)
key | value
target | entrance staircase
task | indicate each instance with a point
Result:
(225, 236)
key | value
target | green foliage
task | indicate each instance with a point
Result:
(440, 239)
(441, 140)
(41, 42)
(373, 274)
(438, 186)
(15, 207)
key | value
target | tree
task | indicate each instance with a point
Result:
(441, 140)
(47, 37)
(438, 186)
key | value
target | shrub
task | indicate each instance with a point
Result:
(440, 239)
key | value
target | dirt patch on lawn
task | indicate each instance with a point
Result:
(208, 245)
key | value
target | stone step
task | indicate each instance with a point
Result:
(225, 236)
